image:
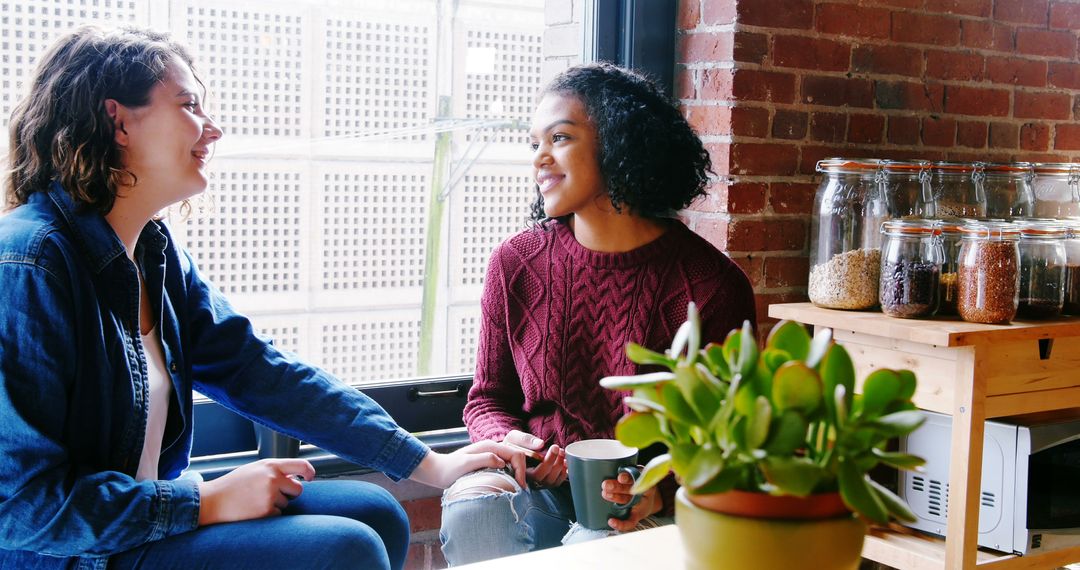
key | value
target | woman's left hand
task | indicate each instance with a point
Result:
(442, 469)
(618, 491)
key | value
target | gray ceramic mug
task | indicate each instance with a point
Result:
(590, 462)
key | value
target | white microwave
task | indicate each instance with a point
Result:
(1030, 496)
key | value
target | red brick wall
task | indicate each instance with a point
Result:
(773, 86)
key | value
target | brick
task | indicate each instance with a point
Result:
(753, 266)
(417, 557)
(710, 203)
(1046, 43)
(705, 47)
(438, 562)
(959, 66)
(720, 155)
(811, 53)
(866, 129)
(685, 83)
(887, 59)
(714, 230)
(903, 130)
(1004, 135)
(763, 159)
(750, 122)
(1017, 71)
(786, 271)
(757, 85)
(964, 100)
(1030, 12)
(709, 119)
(797, 14)
(744, 197)
(971, 134)
(851, 20)
(750, 47)
(689, 14)
(1035, 137)
(789, 125)
(1042, 105)
(1076, 107)
(828, 127)
(716, 84)
(909, 95)
(717, 12)
(910, 4)
(424, 514)
(925, 29)
(1067, 137)
(763, 300)
(792, 197)
(938, 131)
(1061, 74)
(978, 8)
(1064, 15)
(767, 235)
(989, 35)
(837, 91)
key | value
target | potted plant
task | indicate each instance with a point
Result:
(772, 447)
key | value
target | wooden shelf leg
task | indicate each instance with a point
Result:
(965, 467)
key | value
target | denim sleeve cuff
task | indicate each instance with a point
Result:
(176, 507)
(400, 456)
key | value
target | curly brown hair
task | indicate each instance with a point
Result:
(61, 131)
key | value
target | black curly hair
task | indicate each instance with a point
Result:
(650, 158)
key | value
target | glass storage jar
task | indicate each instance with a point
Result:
(1071, 305)
(911, 259)
(1042, 269)
(845, 242)
(957, 190)
(1057, 190)
(988, 272)
(907, 189)
(950, 247)
(1007, 186)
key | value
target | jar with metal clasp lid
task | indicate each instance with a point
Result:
(1007, 186)
(957, 190)
(1057, 190)
(845, 242)
(988, 272)
(1042, 269)
(907, 189)
(950, 247)
(911, 259)
(1071, 306)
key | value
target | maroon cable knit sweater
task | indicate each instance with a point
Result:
(557, 317)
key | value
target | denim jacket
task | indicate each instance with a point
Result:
(74, 392)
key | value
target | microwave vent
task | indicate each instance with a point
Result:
(988, 499)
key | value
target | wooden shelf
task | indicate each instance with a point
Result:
(971, 372)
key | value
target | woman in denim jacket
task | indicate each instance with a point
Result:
(106, 327)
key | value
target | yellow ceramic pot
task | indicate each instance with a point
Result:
(716, 541)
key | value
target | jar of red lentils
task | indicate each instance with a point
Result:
(988, 273)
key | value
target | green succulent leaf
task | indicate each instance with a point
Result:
(899, 423)
(638, 381)
(678, 343)
(792, 475)
(787, 433)
(857, 493)
(898, 459)
(796, 386)
(698, 392)
(837, 370)
(639, 430)
(677, 406)
(726, 480)
(757, 428)
(791, 337)
(895, 505)
(719, 386)
(693, 340)
(640, 355)
(707, 464)
(880, 388)
(654, 472)
(644, 405)
(907, 384)
(818, 347)
(714, 358)
(748, 350)
(682, 454)
(773, 358)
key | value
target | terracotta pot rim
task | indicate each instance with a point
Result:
(765, 506)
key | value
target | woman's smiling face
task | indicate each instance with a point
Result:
(566, 164)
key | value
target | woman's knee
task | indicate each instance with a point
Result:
(479, 484)
(337, 542)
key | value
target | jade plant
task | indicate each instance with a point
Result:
(783, 420)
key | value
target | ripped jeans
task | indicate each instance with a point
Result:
(488, 515)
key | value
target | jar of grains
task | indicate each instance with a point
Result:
(1008, 189)
(950, 246)
(957, 190)
(1042, 269)
(1072, 269)
(988, 272)
(907, 189)
(845, 239)
(911, 258)
(1057, 190)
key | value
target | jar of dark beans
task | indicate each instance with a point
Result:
(1042, 269)
(950, 245)
(988, 272)
(1072, 269)
(911, 257)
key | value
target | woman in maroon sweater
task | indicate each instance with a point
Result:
(606, 263)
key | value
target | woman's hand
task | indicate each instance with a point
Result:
(442, 469)
(618, 491)
(253, 491)
(551, 469)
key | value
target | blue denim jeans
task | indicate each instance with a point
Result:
(333, 524)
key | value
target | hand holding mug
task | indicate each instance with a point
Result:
(618, 491)
(591, 464)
